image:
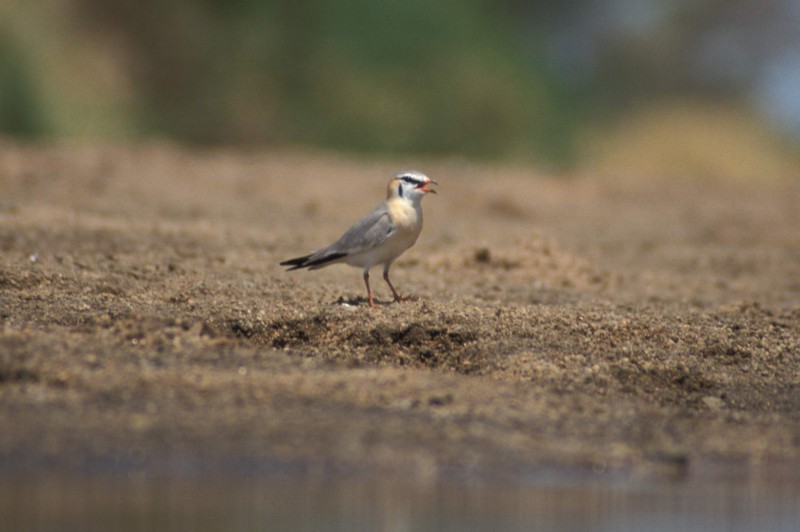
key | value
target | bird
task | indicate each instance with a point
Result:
(379, 237)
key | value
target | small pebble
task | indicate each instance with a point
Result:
(713, 403)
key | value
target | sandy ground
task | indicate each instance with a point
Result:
(582, 324)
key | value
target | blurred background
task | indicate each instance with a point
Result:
(701, 87)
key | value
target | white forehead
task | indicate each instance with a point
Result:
(412, 175)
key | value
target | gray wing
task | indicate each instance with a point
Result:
(367, 233)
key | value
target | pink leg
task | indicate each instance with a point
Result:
(397, 297)
(369, 291)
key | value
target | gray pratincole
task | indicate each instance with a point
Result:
(379, 237)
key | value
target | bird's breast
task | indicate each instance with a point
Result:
(406, 217)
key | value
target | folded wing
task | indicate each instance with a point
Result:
(367, 233)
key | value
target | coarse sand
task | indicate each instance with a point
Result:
(642, 326)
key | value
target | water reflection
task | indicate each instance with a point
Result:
(123, 503)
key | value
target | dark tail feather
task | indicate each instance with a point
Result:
(304, 262)
(296, 263)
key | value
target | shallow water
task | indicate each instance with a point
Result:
(140, 502)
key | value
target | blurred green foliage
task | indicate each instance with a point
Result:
(20, 114)
(549, 81)
(446, 76)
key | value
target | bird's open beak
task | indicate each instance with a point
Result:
(425, 188)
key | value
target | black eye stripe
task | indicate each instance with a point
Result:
(409, 179)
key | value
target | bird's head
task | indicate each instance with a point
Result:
(410, 185)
